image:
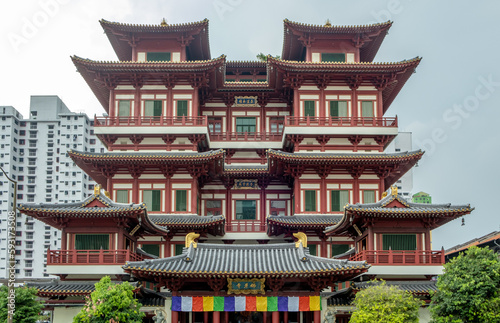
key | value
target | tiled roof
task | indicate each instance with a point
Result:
(147, 157)
(189, 222)
(414, 287)
(495, 235)
(248, 260)
(343, 297)
(160, 28)
(54, 288)
(336, 29)
(342, 158)
(253, 169)
(308, 220)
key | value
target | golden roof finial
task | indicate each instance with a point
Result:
(328, 23)
(301, 237)
(106, 193)
(190, 237)
(97, 189)
(384, 194)
(163, 22)
(394, 190)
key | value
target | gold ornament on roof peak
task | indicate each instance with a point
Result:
(328, 23)
(384, 194)
(163, 22)
(301, 238)
(394, 190)
(190, 239)
(97, 189)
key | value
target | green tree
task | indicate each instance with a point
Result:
(27, 308)
(263, 58)
(468, 290)
(385, 304)
(110, 303)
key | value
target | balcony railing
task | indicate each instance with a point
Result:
(91, 257)
(246, 136)
(341, 121)
(245, 226)
(200, 121)
(400, 257)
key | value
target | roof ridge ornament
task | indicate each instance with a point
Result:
(190, 239)
(163, 22)
(328, 23)
(394, 190)
(97, 190)
(301, 238)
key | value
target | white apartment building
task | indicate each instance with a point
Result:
(33, 152)
(403, 142)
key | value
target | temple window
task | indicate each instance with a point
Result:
(310, 201)
(309, 109)
(333, 57)
(123, 108)
(245, 80)
(245, 124)
(158, 56)
(246, 210)
(152, 249)
(278, 208)
(338, 108)
(180, 201)
(338, 249)
(152, 108)
(152, 199)
(91, 241)
(313, 249)
(261, 80)
(399, 242)
(339, 200)
(367, 109)
(368, 196)
(122, 196)
(178, 249)
(213, 207)
(182, 108)
(215, 124)
(276, 124)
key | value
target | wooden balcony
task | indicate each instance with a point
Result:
(246, 136)
(245, 226)
(161, 121)
(91, 257)
(341, 122)
(401, 257)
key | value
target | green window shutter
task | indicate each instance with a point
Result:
(310, 197)
(367, 108)
(339, 200)
(230, 80)
(157, 108)
(368, 196)
(158, 57)
(178, 249)
(182, 108)
(333, 57)
(338, 249)
(245, 124)
(124, 108)
(246, 210)
(152, 108)
(152, 199)
(245, 80)
(180, 201)
(152, 249)
(92, 241)
(309, 108)
(399, 241)
(122, 196)
(338, 108)
(313, 249)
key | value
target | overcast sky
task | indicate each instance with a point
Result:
(451, 104)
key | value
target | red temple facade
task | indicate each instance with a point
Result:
(243, 190)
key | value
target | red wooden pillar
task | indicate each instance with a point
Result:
(229, 213)
(296, 193)
(229, 125)
(108, 184)
(205, 317)
(112, 112)
(175, 316)
(167, 247)
(322, 107)
(285, 317)
(354, 110)
(226, 317)
(170, 101)
(427, 237)
(216, 317)
(276, 317)
(264, 317)
(296, 102)
(194, 195)
(370, 245)
(323, 197)
(262, 120)
(195, 102)
(135, 191)
(263, 207)
(356, 191)
(317, 316)
(137, 104)
(380, 111)
(324, 247)
(168, 198)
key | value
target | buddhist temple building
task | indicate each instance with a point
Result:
(243, 191)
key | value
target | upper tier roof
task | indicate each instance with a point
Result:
(279, 224)
(394, 207)
(175, 223)
(368, 37)
(286, 259)
(122, 35)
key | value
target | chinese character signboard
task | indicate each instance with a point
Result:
(245, 184)
(245, 286)
(245, 101)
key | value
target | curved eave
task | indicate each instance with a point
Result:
(92, 71)
(123, 49)
(246, 64)
(375, 32)
(214, 227)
